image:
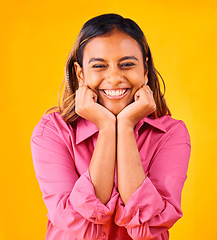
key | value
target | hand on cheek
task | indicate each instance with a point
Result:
(142, 106)
(87, 107)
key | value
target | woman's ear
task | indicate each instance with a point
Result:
(79, 73)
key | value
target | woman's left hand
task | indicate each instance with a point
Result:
(142, 106)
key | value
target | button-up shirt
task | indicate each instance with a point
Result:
(61, 155)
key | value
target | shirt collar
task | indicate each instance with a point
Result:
(154, 122)
(86, 129)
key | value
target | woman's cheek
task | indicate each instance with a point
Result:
(95, 80)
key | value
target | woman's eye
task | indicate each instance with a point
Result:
(127, 64)
(99, 66)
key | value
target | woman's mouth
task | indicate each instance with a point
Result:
(115, 93)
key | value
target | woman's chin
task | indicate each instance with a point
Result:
(115, 110)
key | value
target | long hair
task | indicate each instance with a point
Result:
(98, 26)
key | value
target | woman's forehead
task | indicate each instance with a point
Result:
(115, 44)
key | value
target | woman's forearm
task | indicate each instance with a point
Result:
(129, 166)
(102, 166)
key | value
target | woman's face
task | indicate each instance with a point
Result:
(113, 68)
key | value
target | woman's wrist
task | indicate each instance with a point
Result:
(125, 124)
(109, 125)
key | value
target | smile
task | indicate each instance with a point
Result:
(115, 93)
(112, 93)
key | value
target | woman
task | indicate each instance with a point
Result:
(111, 161)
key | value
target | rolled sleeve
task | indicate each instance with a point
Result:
(137, 210)
(88, 205)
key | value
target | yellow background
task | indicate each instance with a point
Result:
(36, 37)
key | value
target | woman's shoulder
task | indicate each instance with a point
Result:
(175, 127)
(165, 123)
(170, 122)
(51, 124)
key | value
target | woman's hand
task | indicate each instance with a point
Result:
(87, 107)
(143, 106)
(102, 165)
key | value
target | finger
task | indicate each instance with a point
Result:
(93, 90)
(148, 89)
(138, 94)
(91, 95)
(148, 94)
(145, 90)
(141, 92)
(80, 96)
(86, 95)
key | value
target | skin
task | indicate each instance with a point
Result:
(114, 62)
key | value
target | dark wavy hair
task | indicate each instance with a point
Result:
(98, 26)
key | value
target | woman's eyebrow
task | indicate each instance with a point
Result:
(121, 59)
(96, 59)
(128, 57)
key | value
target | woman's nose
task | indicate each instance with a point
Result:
(114, 76)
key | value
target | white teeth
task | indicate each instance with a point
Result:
(112, 93)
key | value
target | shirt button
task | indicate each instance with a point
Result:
(103, 235)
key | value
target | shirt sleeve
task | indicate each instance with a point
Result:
(70, 199)
(156, 205)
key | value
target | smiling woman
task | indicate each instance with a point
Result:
(110, 160)
(118, 71)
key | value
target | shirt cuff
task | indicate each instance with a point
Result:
(143, 204)
(86, 203)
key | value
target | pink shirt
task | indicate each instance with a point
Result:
(61, 155)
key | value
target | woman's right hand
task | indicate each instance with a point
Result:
(87, 107)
